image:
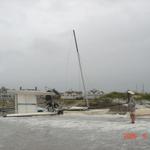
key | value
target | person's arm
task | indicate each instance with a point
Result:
(128, 98)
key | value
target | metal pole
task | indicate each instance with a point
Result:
(3, 104)
(143, 90)
(81, 71)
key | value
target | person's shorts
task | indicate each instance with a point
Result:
(132, 112)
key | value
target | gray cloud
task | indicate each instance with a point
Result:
(37, 47)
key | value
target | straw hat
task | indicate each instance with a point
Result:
(131, 92)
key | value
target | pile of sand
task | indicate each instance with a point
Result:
(143, 112)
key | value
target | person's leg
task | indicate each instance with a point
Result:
(132, 117)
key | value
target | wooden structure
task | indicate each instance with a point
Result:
(26, 100)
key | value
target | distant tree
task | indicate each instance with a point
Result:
(3, 90)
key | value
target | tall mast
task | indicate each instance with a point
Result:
(143, 89)
(81, 71)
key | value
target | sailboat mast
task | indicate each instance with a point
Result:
(81, 71)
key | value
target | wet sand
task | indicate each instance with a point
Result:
(73, 132)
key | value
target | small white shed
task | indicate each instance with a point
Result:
(26, 100)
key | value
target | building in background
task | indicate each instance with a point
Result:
(94, 94)
(77, 95)
(26, 100)
(74, 95)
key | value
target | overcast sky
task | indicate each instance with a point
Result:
(37, 46)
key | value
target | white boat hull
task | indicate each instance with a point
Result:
(74, 108)
(32, 114)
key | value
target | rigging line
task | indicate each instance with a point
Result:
(114, 105)
(79, 81)
(67, 68)
(82, 59)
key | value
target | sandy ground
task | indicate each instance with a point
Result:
(141, 112)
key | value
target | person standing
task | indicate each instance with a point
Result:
(131, 105)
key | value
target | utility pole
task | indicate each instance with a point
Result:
(136, 88)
